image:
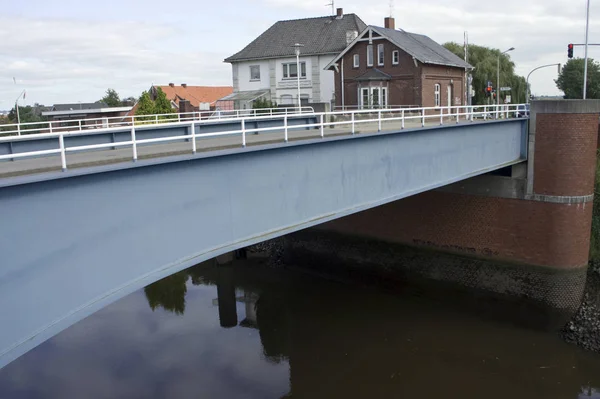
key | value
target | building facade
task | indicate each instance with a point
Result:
(386, 67)
(267, 67)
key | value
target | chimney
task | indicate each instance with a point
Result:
(172, 84)
(184, 85)
(389, 23)
(340, 13)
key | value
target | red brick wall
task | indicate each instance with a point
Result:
(532, 232)
(445, 77)
(568, 138)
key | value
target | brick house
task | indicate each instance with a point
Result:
(186, 98)
(385, 67)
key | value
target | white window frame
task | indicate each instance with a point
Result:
(380, 54)
(254, 79)
(356, 61)
(395, 57)
(286, 70)
(437, 99)
(369, 55)
(382, 97)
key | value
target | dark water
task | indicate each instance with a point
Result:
(248, 331)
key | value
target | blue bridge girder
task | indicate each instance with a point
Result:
(73, 242)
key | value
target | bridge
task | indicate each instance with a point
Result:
(77, 237)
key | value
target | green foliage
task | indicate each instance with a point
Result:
(111, 98)
(27, 114)
(161, 105)
(570, 79)
(485, 61)
(263, 103)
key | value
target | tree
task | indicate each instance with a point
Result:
(570, 79)
(485, 61)
(162, 105)
(111, 98)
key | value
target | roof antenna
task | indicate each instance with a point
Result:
(391, 4)
(332, 4)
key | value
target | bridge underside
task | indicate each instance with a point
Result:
(73, 242)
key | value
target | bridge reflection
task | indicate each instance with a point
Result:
(347, 342)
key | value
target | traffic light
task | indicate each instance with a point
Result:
(488, 90)
(570, 50)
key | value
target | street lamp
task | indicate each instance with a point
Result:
(498, 77)
(532, 71)
(17, 111)
(587, 28)
(297, 51)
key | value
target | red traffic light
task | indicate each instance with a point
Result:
(571, 45)
(570, 50)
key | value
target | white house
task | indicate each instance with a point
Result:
(266, 68)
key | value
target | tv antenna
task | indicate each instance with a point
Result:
(332, 5)
(391, 5)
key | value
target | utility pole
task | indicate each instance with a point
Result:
(585, 67)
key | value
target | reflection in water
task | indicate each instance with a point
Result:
(252, 332)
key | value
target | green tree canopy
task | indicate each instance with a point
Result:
(485, 61)
(161, 105)
(111, 98)
(570, 79)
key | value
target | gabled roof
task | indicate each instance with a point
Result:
(421, 47)
(322, 35)
(196, 94)
(373, 74)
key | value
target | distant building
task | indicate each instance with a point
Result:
(266, 68)
(98, 112)
(385, 67)
(187, 98)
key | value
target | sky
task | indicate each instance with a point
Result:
(68, 51)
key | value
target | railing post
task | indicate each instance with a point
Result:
(471, 109)
(322, 126)
(402, 119)
(50, 126)
(243, 132)
(379, 120)
(457, 114)
(193, 137)
(79, 124)
(178, 117)
(285, 128)
(133, 143)
(441, 116)
(423, 117)
(485, 112)
(63, 155)
(352, 119)
(156, 119)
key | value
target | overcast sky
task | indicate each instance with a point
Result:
(70, 51)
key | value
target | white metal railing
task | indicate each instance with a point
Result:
(68, 125)
(440, 115)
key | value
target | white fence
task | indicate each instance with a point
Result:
(350, 119)
(68, 125)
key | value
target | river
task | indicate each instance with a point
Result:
(248, 330)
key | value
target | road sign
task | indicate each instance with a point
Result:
(505, 89)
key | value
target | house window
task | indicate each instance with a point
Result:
(254, 72)
(356, 62)
(436, 94)
(290, 70)
(395, 57)
(373, 97)
(380, 55)
(286, 99)
(370, 55)
(304, 99)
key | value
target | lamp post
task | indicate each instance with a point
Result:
(587, 25)
(297, 51)
(498, 76)
(17, 111)
(532, 71)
